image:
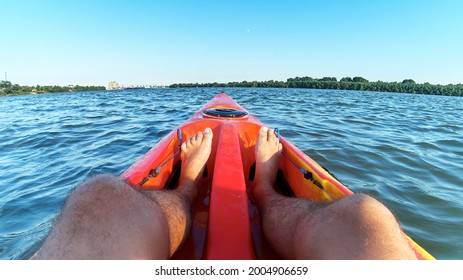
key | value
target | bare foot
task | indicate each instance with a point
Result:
(195, 153)
(268, 153)
(176, 204)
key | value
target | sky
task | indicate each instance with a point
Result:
(163, 42)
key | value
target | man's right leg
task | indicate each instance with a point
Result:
(356, 227)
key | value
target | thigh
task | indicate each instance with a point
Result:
(104, 218)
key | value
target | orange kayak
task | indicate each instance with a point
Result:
(226, 224)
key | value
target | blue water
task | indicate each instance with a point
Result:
(406, 150)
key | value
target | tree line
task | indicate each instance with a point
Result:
(7, 88)
(346, 83)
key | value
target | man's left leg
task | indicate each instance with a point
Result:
(107, 219)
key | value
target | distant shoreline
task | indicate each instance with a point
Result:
(347, 83)
(8, 89)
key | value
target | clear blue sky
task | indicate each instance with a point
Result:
(163, 42)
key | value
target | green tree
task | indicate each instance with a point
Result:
(328, 79)
(346, 79)
(5, 84)
(359, 80)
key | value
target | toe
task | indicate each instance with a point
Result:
(192, 140)
(199, 137)
(272, 137)
(207, 134)
(183, 147)
(263, 133)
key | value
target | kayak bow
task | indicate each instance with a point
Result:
(226, 224)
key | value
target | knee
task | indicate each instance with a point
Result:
(367, 211)
(106, 197)
(97, 190)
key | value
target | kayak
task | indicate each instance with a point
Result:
(226, 223)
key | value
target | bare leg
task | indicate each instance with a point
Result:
(176, 204)
(356, 227)
(107, 219)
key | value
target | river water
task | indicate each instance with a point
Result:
(405, 150)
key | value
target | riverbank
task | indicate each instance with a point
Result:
(347, 83)
(9, 89)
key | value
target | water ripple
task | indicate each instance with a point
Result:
(406, 150)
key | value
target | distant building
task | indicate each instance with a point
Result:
(113, 85)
